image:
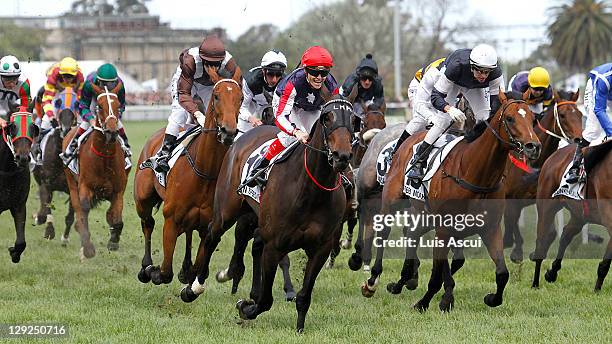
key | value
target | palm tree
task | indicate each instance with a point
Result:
(581, 33)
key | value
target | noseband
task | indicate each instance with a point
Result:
(557, 122)
(212, 110)
(338, 107)
(513, 142)
(107, 95)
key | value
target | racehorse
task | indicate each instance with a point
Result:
(594, 208)
(15, 148)
(303, 213)
(50, 175)
(102, 174)
(372, 123)
(185, 209)
(509, 129)
(561, 121)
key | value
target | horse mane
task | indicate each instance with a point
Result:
(593, 155)
(475, 132)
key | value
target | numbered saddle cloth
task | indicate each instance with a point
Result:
(573, 190)
(74, 163)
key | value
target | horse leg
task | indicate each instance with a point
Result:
(243, 232)
(69, 220)
(369, 236)
(186, 274)
(351, 222)
(114, 220)
(604, 265)
(336, 247)
(495, 246)
(458, 259)
(546, 234)
(83, 198)
(573, 227)
(144, 209)
(316, 259)
(19, 215)
(448, 299)
(256, 252)
(355, 259)
(287, 285)
(409, 276)
(164, 273)
(270, 257)
(44, 214)
(512, 230)
(440, 263)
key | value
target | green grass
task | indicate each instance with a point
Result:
(101, 300)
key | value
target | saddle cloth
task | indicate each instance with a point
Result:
(74, 163)
(418, 191)
(573, 191)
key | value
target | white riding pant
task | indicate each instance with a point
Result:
(303, 120)
(179, 117)
(593, 132)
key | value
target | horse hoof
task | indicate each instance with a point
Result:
(492, 300)
(421, 306)
(368, 290)
(535, 285)
(447, 304)
(394, 288)
(64, 241)
(532, 256)
(366, 268)
(112, 246)
(346, 244)
(16, 252)
(223, 276)
(412, 284)
(88, 251)
(245, 309)
(550, 276)
(143, 277)
(49, 232)
(290, 296)
(187, 295)
(355, 262)
(185, 277)
(516, 256)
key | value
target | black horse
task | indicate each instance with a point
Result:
(15, 147)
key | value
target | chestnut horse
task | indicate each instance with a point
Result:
(102, 174)
(472, 171)
(15, 147)
(190, 184)
(561, 121)
(50, 175)
(301, 206)
(595, 208)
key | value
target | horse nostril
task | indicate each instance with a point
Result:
(577, 139)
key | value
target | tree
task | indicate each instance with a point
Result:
(581, 33)
(253, 44)
(24, 43)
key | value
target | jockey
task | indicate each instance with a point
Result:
(105, 76)
(297, 104)
(423, 110)
(190, 79)
(14, 88)
(537, 83)
(369, 88)
(260, 79)
(418, 76)
(597, 99)
(473, 73)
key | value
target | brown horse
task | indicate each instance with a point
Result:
(595, 208)
(561, 121)
(15, 146)
(301, 206)
(373, 122)
(469, 183)
(50, 175)
(102, 174)
(190, 185)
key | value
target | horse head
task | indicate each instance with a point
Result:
(373, 122)
(335, 119)
(66, 106)
(513, 125)
(567, 118)
(107, 111)
(224, 105)
(19, 135)
(267, 115)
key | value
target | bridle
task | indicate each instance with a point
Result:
(212, 110)
(107, 96)
(514, 144)
(557, 122)
(340, 121)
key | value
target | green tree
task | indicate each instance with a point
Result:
(25, 43)
(581, 33)
(252, 45)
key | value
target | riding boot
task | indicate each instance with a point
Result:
(401, 140)
(574, 172)
(252, 179)
(164, 154)
(127, 151)
(68, 155)
(36, 149)
(418, 170)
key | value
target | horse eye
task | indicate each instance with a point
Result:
(510, 120)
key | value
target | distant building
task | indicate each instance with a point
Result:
(139, 44)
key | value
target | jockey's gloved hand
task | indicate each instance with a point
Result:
(255, 122)
(200, 118)
(456, 114)
(300, 135)
(2, 122)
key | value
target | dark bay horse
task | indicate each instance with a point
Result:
(102, 174)
(372, 123)
(595, 208)
(472, 172)
(561, 121)
(50, 175)
(15, 148)
(190, 184)
(301, 206)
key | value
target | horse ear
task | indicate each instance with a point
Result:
(34, 130)
(268, 96)
(97, 89)
(353, 95)
(383, 107)
(556, 96)
(212, 73)
(116, 89)
(325, 94)
(525, 95)
(502, 96)
(575, 95)
(237, 76)
(11, 129)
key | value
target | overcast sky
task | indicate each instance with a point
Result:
(238, 15)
